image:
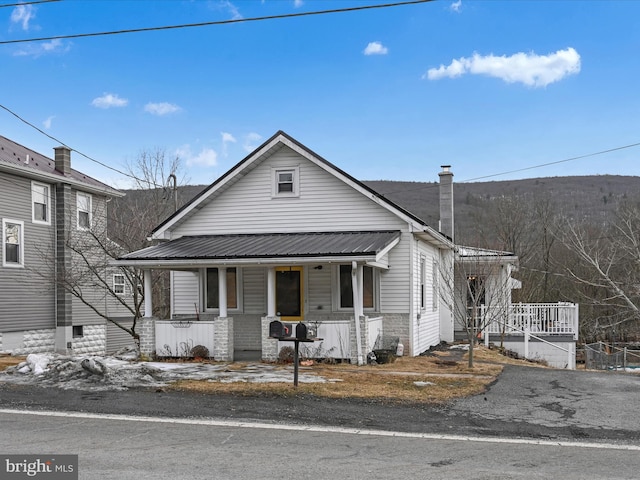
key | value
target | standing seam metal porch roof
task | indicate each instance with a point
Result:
(269, 245)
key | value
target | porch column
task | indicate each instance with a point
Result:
(356, 282)
(222, 291)
(271, 292)
(148, 294)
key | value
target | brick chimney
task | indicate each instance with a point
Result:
(446, 201)
(63, 160)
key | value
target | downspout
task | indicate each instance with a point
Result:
(356, 308)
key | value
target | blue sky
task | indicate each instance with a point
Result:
(485, 86)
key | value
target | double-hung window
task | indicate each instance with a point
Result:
(118, 284)
(13, 243)
(346, 287)
(41, 203)
(285, 182)
(83, 202)
(213, 288)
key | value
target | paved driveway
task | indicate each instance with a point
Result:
(594, 403)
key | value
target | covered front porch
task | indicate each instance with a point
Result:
(335, 287)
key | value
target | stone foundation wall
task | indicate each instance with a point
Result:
(223, 339)
(147, 332)
(269, 345)
(92, 342)
(37, 341)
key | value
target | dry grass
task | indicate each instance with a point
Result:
(393, 382)
(10, 361)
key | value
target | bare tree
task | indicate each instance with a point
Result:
(480, 288)
(607, 269)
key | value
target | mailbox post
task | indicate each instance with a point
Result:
(283, 332)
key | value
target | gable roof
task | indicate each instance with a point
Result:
(24, 162)
(268, 148)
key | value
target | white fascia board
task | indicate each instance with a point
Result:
(53, 179)
(164, 232)
(191, 263)
(382, 255)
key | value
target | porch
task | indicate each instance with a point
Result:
(536, 331)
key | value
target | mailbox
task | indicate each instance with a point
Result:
(306, 332)
(276, 329)
(301, 331)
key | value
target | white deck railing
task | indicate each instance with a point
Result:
(537, 318)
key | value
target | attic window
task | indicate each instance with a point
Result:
(285, 182)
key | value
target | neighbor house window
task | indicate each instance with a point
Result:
(41, 203)
(118, 284)
(13, 243)
(346, 287)
(83, 202)
(423, 283)
(435, 286)
(212, 288)
(285, 182)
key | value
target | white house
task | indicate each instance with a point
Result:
(286, 234)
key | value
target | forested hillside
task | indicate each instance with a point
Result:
(577, 238)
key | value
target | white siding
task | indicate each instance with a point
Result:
(426, 329)
(325, 203)
(319, 289)
(185, 293)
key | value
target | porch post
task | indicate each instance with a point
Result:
(356, 274)
(148, 294)
(271, 292)
(222, 292)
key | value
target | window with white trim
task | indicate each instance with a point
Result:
(345, 290)
(12, 243)
(83, 202)
(423, 282)
(435, 301)
(40, 203)
(285, 182)
(119, 284)
(212, 288)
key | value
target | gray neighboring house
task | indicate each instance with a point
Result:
(44, 203)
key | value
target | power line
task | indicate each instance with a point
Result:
(77, 151)
(34, 2)
(219, 22)
(532, 167)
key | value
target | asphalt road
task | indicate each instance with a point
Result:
(524, 402)
(531, 423)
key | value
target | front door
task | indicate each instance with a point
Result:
(289, 293)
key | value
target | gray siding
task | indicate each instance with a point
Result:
(118, 338)
(26, 297)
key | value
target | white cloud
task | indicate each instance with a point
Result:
(231, 8)
(109, 100)
(376, 48)
(47, 123)
(297, 3)
(227, 138)
(527, 68)
(42, 48)
(162, 108)
(206, 158)
(23, 14)
(456, 6)
(251, 141)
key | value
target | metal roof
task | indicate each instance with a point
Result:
(268, 246)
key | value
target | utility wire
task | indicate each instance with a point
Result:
(34, 2)
(77, 151)
(219, 22)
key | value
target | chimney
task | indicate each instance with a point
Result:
(446, 201)
(63, 160)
